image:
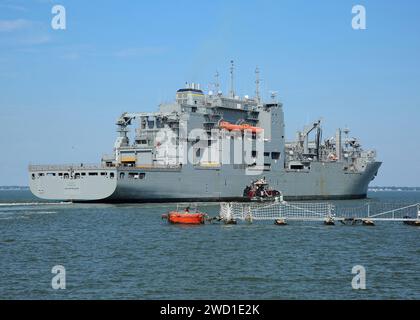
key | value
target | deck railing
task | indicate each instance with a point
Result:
(62, 167)
(83, 166)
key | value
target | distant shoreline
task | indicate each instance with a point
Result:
(13, 188)
(372, 189)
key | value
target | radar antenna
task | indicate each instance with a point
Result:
(346, 131)
(273, 95)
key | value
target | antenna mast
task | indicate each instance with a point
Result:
(257, 85)
(232, 90)
(216, 83)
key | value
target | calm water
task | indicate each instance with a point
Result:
(127, 251)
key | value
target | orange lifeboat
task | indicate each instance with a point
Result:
(230, 126)
(186, 217)
(251, 128)
(239, 127)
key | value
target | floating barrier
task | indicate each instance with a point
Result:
(281, 212)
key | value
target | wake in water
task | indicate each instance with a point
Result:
(19, 204)
(22, 214)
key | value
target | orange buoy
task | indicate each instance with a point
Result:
(186, 218)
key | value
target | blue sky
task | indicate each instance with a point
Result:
(62, 90)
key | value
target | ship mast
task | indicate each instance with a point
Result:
(232, 90)
(216, 82)
(257, 85)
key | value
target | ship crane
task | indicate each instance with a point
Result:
(125, 119)
(123, 122)
(305, 138)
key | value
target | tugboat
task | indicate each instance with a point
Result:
(260, 191)
(186, 216)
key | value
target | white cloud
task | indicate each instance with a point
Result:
(139, 52)
(22, 32)
(13, 7)
(71, 56)
(36, 39)
(9, 75)
(13, 25)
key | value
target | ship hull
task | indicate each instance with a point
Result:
(324, 181)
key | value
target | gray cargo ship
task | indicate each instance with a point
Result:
(209, 147)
